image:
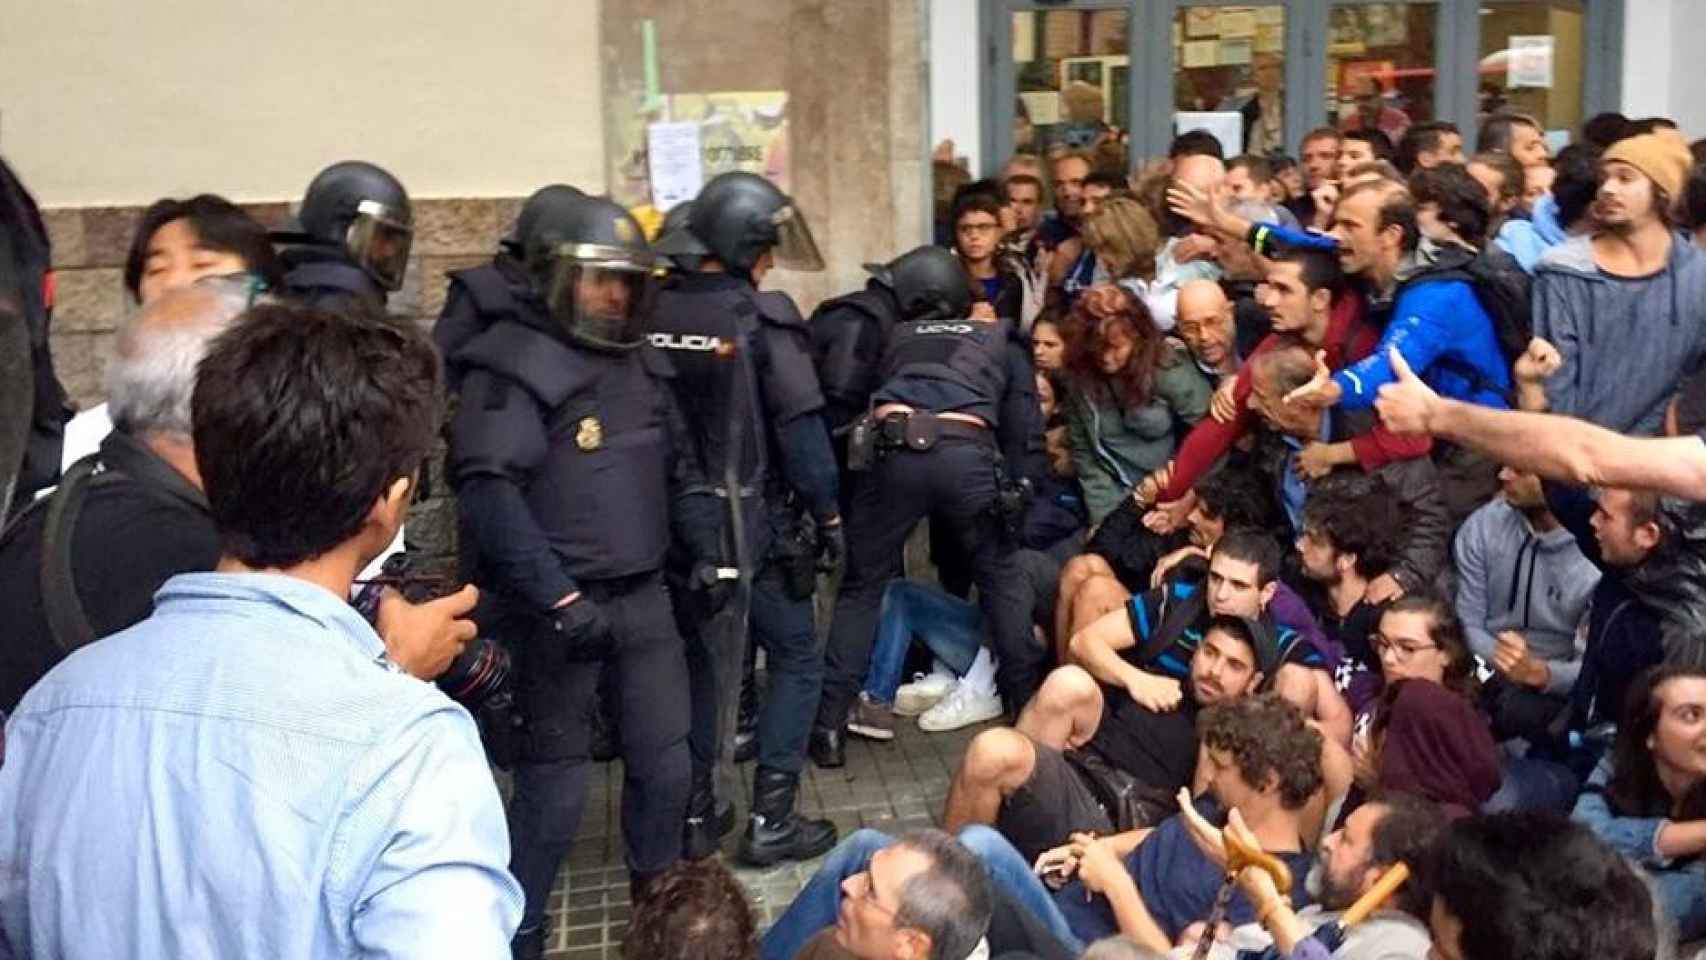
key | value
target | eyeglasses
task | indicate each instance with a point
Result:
(1401, 652)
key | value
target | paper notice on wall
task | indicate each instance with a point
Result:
(1043, 106)
(1236, 22)
(1199, 53)
(1234, 52)
(1226, 125)
(1530, 61)
(743, 130)
(672, 151)
(1270, 38)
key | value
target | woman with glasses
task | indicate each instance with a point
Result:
(981, 221)
(1423, 735)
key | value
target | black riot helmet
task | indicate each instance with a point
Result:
(738, 216)
(590, 265)
(364, 210)
(928, 283)
(676, 240)
(546, 203)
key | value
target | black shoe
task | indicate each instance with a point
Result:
(828, 747)
(529, 945)
(775, 832)
(746, 745)
(707, 824)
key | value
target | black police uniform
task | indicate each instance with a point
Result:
(325, 278)
(347, 247)
(753, 405)
(952, 472)
(564, 458)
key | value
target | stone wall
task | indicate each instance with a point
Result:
(89, 247)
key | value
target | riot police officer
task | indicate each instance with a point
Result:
(754, 408)
(563, 450)
(348, 245)
(952, 433)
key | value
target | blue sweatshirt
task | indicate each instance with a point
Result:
(1445, 336)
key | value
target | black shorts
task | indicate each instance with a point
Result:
(1054, 803)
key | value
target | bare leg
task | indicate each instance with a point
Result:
(1066, 710)
(997, 762)
(1072, 577)
(1097, 596)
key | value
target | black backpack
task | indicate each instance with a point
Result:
(1502, 288)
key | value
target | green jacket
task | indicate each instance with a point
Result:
(1113, 449)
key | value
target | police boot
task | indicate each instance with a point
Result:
(528, 945)
(775, 832)
(707, 824)
(828, 747)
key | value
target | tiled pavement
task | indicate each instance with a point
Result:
(891, 787)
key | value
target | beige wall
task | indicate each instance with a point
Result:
(106, 102)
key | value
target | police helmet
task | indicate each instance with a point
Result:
(363, 210)
(676, 241)
(545, 203)
(589, 262)
(928, 283)
(739, 216)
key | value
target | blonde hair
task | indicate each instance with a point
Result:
(1124, 237)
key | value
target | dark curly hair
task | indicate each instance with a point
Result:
(1268, 739)
(695, 910)
(1085, 331)
(1356, 514)
(1236, 498)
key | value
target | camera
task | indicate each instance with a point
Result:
(480, 673)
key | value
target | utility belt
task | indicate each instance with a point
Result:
(915, 430)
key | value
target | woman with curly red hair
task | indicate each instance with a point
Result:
(1134, 394)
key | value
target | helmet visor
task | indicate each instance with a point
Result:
(600, 303)
(379, 241)
(795, 248)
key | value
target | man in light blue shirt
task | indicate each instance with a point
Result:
(244, 773)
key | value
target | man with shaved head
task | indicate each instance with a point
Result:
(1206, 326)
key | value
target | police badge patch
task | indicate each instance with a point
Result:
(590, 436)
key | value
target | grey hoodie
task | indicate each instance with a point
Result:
(1511, 578)
(1625, 343)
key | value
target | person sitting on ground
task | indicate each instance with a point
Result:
(1134, 393)
(1304, 668)
(1349, 539)
(1387, 830)
(695, 910)
(1423, 735)
(1048, 349)
(1648, 799)
(1082, 759)
(262, 765)
(921, 896)
(1538, 887)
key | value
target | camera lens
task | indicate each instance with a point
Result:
(479, 672)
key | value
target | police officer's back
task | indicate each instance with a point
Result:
(348, 245)
(563, 454)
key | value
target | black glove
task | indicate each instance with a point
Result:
(716, 590)
(582, 630)
(831, 548)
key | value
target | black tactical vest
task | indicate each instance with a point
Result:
(946, 365)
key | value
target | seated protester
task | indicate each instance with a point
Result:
(1088, 758)
(1296, 420)
(695, 910)
(1206, 326)
(1385, 831)
(1512, 231)
(1648, 798)
(1134, 393)
(1176, 610)
(176, 243)
(921, 896)
(1123, 555)
(1307, 299)
(263, 767)
(1149, 886)
(1423, 735)
(996, 291)
(1349, 539)
(1048, 349)
(1522, 589)
(1538, 887)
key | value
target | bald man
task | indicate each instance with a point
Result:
(1206, 325)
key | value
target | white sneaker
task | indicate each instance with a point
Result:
(964, 707)
(925, 691)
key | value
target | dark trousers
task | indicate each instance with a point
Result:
(556, 699)
(953, 483)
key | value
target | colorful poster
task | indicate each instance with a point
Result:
(738, 130)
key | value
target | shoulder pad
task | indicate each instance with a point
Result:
(656, 362)
(488, 288)
(865, 302)
(778, 308)
(548, 368)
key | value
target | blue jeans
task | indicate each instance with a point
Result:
(949, 626)
(1530, 783)
(820, 900)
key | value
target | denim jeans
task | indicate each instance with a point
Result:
(1530, 783)
(949, 626)
(820, 900)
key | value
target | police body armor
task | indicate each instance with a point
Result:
(939, 365)
(323, 278)
(479, 299)
(601, 493)
(847, 335)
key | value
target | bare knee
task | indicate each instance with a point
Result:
(1001, 757)
(1081, 568)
